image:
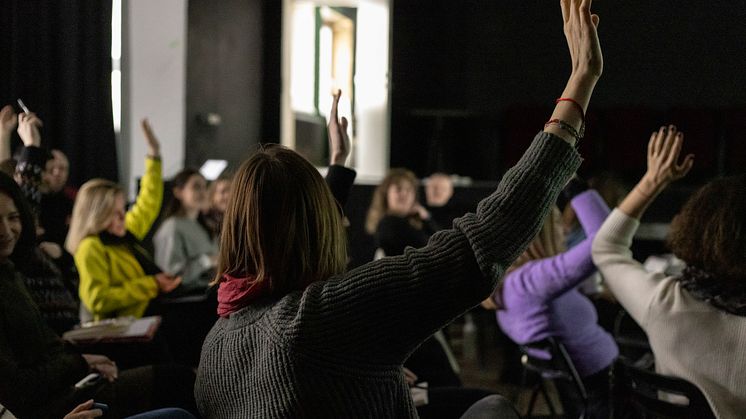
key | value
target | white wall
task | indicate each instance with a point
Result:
(371, 145)
(154, 83)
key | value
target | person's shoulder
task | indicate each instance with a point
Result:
(90, 242)
(167, 227)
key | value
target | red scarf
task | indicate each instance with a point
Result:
(236, 293)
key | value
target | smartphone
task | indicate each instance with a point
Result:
(104, 407)
(89, 380)
(23, 106)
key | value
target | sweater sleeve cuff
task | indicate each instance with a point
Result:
(620, 228)
(340, 180)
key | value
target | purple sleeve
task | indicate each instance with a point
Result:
(548, 278)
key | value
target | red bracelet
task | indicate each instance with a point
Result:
(574, 102)
(567, 128)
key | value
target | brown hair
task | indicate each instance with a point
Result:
(179, 181)
(212, 188)
(282, 224)
(379, 206)
(710, 230)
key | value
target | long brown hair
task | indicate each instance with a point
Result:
(379, 205)
(282, 224)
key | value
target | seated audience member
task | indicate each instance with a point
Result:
(47, 270)
(218, 194)
(300, 336)
(398, 220)
(37, 371)
(57, 199)
(438, 193)
(182, 243)
(395, 216)
(118, 277)
(695, 321)
(539, 298)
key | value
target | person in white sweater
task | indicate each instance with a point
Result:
(696, 321)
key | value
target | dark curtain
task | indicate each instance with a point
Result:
(56, 56)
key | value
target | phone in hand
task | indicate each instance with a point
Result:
(89, 380)
(23, 106)
(104, 407)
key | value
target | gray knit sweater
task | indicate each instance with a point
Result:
(336, 349)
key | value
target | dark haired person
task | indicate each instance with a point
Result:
(696, 322)
(302, 337)
(183, 245)
(37, 371)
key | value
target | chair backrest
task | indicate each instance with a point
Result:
(559, 366)
(642, 388)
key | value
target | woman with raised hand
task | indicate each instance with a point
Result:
(309, 339)
(118, 276)
(696, 321)
(540, 299)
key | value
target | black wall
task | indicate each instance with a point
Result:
(492, 65)
(233, 70)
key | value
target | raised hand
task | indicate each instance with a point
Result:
(154, 147)
(580, 27)
(664, 165)
(339, 141)
(8, 121)
(28, 129)
(587, 65)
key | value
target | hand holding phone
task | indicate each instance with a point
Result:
(23, 106)
(89, 380)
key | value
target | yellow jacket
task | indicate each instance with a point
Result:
(112, 282)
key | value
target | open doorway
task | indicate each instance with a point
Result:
(329, 45)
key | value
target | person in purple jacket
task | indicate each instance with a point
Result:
(539, 299)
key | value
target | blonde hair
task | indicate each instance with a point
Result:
(282, 224)
(93, 207)
(379, 205)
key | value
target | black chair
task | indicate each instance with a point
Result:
(638, 388)
(558, 368)
(631, 339)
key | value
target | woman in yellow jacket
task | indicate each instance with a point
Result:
(117, 275)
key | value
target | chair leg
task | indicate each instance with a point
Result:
(545, 393)
(532, 401)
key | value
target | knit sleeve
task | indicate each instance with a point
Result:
(381, 311)
(549, 278)
(631, 284)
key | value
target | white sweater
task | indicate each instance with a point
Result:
(690, 338)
